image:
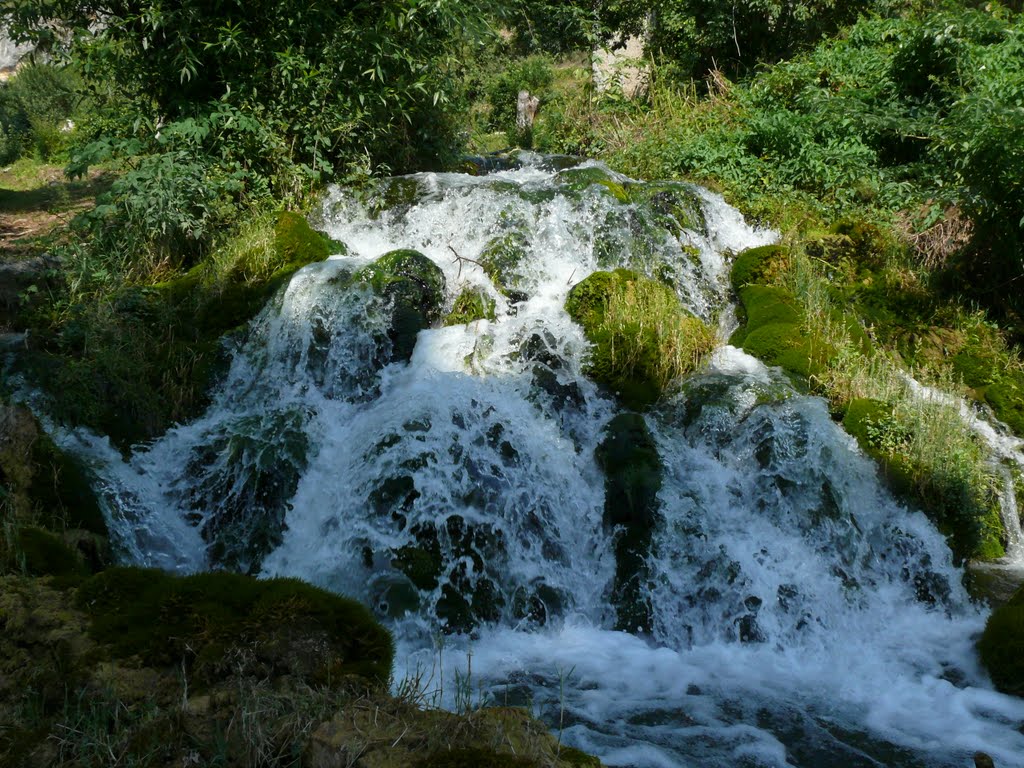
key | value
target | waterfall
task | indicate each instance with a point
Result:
(799, 614)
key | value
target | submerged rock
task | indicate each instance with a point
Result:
(470, 305)
(633, 476)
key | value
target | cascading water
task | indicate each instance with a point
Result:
(800, 616)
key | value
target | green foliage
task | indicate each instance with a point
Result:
(210, 621)
(642, 339)
(130, 361)
(533, 74)
(335, 80)
(1001, 646)
(34, 107)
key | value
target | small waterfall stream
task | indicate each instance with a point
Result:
(801, 616)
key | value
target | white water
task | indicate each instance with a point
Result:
(801, 616)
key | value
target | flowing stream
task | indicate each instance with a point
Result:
(799, 615)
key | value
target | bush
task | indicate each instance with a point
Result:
(533, 74)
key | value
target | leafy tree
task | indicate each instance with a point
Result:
(336, 80)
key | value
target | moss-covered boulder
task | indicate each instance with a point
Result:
(295, 242)
(757, 265)
(633, 476)
(413, 286)
(643, 340)
(600, 179)
(673, 205)
(67, 696)
(1001, 646)
(470, 305)
(774, 331)
(501, 259)
(210, 621)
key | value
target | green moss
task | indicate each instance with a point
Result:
(470, 305)
(475, 758)
(642, 338)
(1001, 646)
(296, 243)
(1007, 400)
(210, 621)
(675, 206)
(414, 287)
(774, 331)
(755, 265)
(60, 490)
(501, 258)
(37, 552)
(580, 179)
(633, 476)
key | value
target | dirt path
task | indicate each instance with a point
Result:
(36, 199)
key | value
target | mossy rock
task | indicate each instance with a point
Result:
(212, 621)
(976, 370)
(971, 524)
(395, 195)
(414, 287)
(43, 484)
(642, 338)
(295, 242)
(501, 259)
(1001, 646)
(675, 206)
(756, 265)
(470, 305)
(1007, 400)
(774, 331)
(38, 552)
(633, 477)
(243, 479)
(581, 179)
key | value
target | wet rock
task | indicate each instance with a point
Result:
(633, 476)
(501, 260)
(470, 305)
(243, 479)
(981, 760)
(413, 286)
(1001, 646)
(601, 179)
(674, 206)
